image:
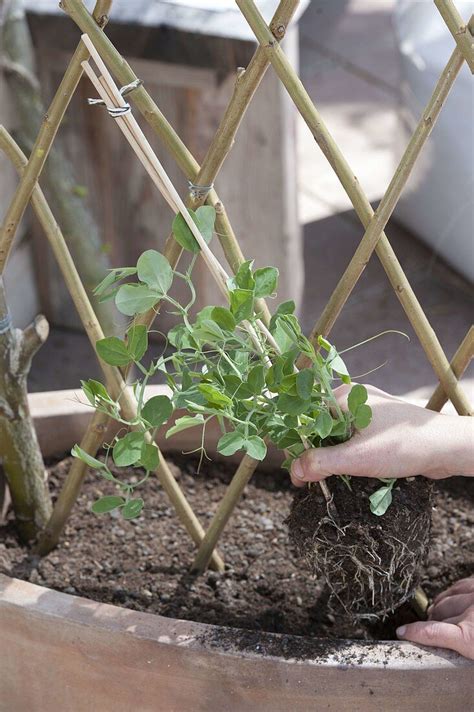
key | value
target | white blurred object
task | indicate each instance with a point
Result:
(438, 202)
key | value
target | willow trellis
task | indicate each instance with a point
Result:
(269, 51)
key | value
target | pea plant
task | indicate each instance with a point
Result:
(222, 365)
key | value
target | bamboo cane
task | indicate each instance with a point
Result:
(459, 363)
(397, 277)
(92, 327)
(461, 31)
(45, 138)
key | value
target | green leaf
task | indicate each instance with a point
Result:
(134, 299)
(288, 385)
(137, 341)
(286, 331)
(133, 508)
(336, 363)
(292, 405)
(357, 396)
(244, 278)
(255, 447)
(95, 392)
(256, 379)
(204, 217)
(208, 330)
(157, 410)
(183, 423)
(107, 504)
(290, 324)
(381, 500)
(149, 456)
(287, 307)
(180, 337)
(155, 271)
(363, 416)
(324, 343)
(305, 383)
(266, 281)
(127, 450)
(230, 443)
(213, 396)
(339, 429)
(113, 276)
(113, 351)
(241, 304)
(224, 318)
(323, 425)
(286, 438)
(88, 459)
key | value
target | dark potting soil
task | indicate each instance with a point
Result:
(144, 564)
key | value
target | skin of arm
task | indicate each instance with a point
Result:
(403, 440)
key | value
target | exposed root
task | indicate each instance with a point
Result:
(370, 564)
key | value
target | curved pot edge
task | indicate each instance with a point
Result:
(341, 654)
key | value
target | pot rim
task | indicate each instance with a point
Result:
(342, 654)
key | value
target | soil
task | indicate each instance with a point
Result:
(143, 564)
(371, 564)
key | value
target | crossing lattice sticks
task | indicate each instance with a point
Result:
(269, 51)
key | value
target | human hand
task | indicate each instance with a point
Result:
(402, 440)
(450, 621)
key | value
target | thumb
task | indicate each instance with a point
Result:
(318, 463)
(437, 634)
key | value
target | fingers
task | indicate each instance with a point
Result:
(436, 634)
(450, 606)
(318, 463)
(465, 585)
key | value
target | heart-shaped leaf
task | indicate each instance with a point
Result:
(155, 271)
(113, 351)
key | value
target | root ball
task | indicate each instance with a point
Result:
(371, 564)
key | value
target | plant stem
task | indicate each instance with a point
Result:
(374, 237)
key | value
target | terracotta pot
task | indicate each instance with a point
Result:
(67, 654)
